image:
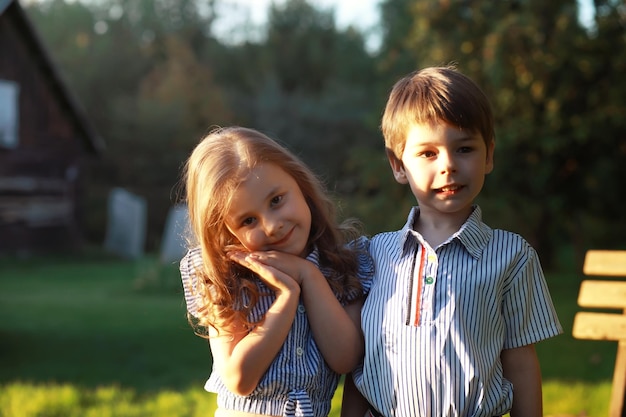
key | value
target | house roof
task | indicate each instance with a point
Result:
(13, 10)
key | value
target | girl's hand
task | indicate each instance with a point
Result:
(291, 265)
(242, 357)
(336, 328)
(279, 279)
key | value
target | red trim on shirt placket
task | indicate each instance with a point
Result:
(418, 296)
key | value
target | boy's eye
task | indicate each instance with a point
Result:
(465, 149)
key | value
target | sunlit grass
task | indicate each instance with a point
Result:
(51, 400)
(576, 398)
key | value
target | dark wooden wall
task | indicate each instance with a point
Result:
(39, 177)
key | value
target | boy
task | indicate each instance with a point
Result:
(456, 307)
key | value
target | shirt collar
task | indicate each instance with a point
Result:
(473, 234)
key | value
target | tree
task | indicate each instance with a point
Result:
(135, 66)
(556, 92)
(307, 85)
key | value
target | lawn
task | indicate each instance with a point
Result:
(101, 336)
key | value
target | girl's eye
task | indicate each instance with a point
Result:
(427, 154)
(276, 200)
(247, 221)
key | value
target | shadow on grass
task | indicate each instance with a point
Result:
(143, 362)
(87, 324)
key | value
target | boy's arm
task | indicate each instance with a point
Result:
(353, 404)
(521, 367)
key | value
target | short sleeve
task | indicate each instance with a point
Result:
(528, 305)
(365, 268)
(189, 266)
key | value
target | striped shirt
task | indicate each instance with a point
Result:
(298, 381)
(436, 320)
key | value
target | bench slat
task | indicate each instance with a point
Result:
(599, 326)
(602, 294)
(605, 262)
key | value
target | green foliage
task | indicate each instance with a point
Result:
(153, 78)
(299, 39)
(372, 193)
(554, 85)
(137, 69)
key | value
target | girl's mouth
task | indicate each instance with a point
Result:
(284, 239)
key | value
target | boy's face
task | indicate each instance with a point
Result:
(444, 166)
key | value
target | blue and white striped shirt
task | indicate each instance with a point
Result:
(298, 382)
(436, 320)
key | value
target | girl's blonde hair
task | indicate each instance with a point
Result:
(435, 94)
(216, 167)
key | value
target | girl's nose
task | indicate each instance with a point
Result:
(272, 225)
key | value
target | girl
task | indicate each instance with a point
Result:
(271, 282)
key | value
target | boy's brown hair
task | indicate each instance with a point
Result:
(435, 94)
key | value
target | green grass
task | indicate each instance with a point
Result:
(98, 336)
(85, 322)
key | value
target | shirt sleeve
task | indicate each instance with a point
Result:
(531, 316)
(189, 266)
(365, 269)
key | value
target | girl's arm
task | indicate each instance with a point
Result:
(521, 367)
(336, 329)
(242, 358)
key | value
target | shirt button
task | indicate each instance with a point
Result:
(299, 351)
(301, 309)
(430, 280)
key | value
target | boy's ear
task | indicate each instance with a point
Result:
(397, 167)
(490, 150)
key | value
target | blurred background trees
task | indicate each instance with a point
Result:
(154, 77)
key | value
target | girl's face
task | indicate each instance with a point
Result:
(269, 212)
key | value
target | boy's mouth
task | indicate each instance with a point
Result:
(449, 188)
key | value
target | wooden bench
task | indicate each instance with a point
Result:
(606, 326)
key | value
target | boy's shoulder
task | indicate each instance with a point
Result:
(503, 237)
(511, 245)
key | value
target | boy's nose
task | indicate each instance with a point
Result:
(447, 164)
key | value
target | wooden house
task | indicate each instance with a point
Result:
(45, 140)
